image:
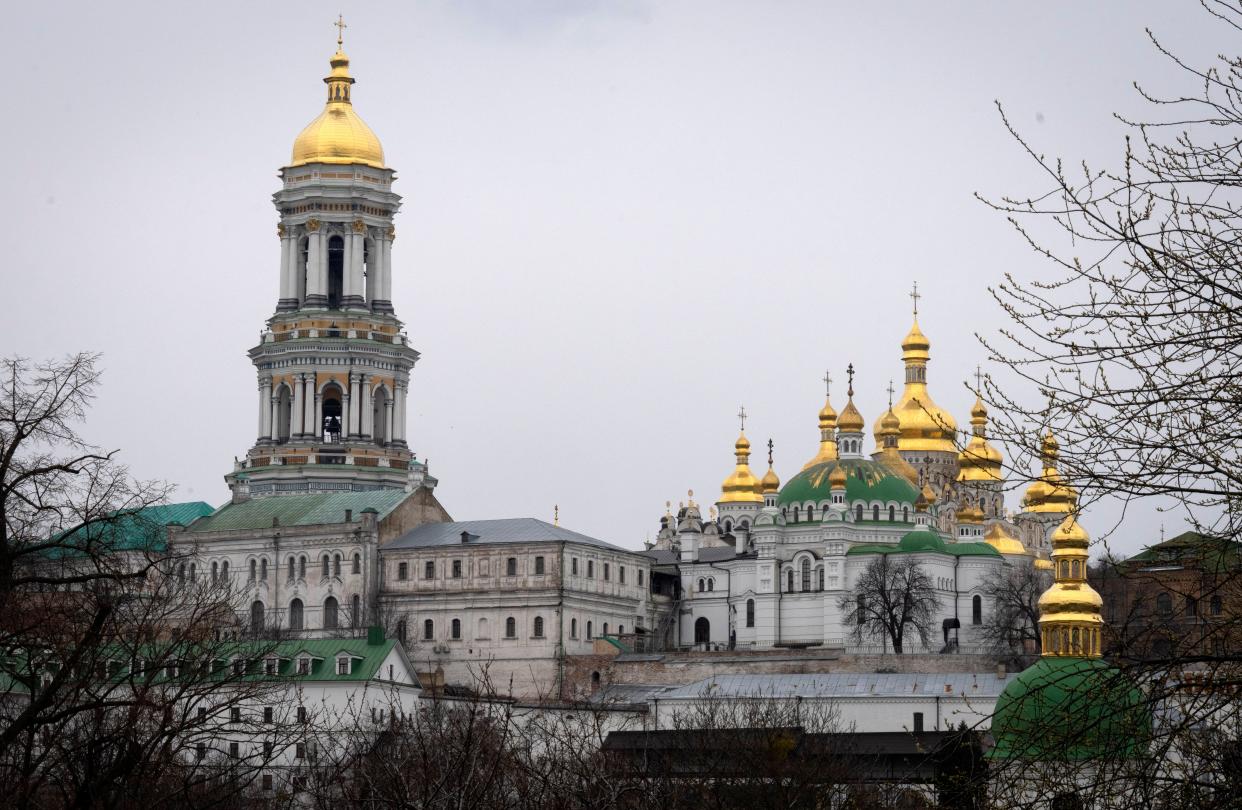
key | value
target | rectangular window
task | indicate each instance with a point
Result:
(606, 572)
(301, 714)
(269, 714)
(239, 667)
(234, 750)
(573, 566)
(539, 565)
(304, 666)
(590, 569)
(267, 781)
(456, 569)
(403, 570)
(511, 567)
(342, 666)
(235, 714)
(640, 577)
(429, 570)
(621, 573)
(918, 722)
(300, 751)
(202, 714)
(201, 750)
(268, 750)
(269, 666)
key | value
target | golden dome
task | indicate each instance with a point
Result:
(886, 438)
(929, 494)
(1069, 611)
(338, 135)
(970, 515)
(771, 482)
(1000, 539)
(1042, 565)
(851, 420)
(1050, 493)
(741, 486)
(836, 478)
(827, 436)
(925, 426)
(979, 460)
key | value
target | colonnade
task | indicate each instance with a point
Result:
(365, 284)
(357, 409)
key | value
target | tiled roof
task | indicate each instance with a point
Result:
(504, 530)
(140, 530)
(667, 556)
(299, 510)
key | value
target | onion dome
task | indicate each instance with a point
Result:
(837, 478)
(851, 420)
(827, 436)
(929, 495)
(979, 460)
(925, 426)
(1050, 493)
(741, 486)
(1070, 706)
(970, 515)
(886, 438)
(338, 135)
(771, 482)
(1000, 539)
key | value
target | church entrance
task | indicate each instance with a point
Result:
(702, 631)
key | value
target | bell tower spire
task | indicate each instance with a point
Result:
(334, 363)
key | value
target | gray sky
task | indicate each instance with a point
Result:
(621, 219)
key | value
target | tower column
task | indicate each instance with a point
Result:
(381, 300)
(354, 283)
(287, 290)
(388, 417)
(398, 428)
(316, 268)
(318, 414)
(273, 418)
(265, 408)
(298, 411)
(308, 404)
(366, 416)
(355, 401)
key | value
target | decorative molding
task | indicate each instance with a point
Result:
(359, 226)
(312, 225)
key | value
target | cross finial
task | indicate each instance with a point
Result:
(828, 383)
(850, 372)
(979, 380)
(741, 415)
(340, 30)
(890, 394)
(556, 514)
(769, 452)
(915, 297)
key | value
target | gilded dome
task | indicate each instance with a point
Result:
(925, 426)
(338, 135)
(836, 478)
(886, 438)
(1050, 493)
(741, 486)
(1000, 539)
(771, 483)
(827, 436)
(851, 420)
(970, 515)
(979, 460)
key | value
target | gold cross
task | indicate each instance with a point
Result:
(850, 371)
(979, 380)
(741, 414)
(828, 383)
(915, 295)
(340, 30)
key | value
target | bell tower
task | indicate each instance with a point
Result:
(333, 363)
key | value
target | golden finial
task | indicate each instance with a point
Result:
(769, 452)
(890, 394)
(690, 498)
(712, 511)
(914, 296)
(668, 509)
(340, 30)
(556, 514)
(850, 371)
(741, 415)
(827, 383)
(978, 380)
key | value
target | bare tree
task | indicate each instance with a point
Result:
(1014, 595)
(891, 599)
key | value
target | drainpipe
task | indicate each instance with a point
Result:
(957, 631)
(560, 623)
(937, 712)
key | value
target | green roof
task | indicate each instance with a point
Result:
(865, 480)
(299, 510)
(1191, 549)
(923, 541)
(1070, 709)
(138, 530)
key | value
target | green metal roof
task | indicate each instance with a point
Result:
(299, 510)
(1191, 549)
(138, 530)
(1070, 709)
(923, 541)
(866, 480)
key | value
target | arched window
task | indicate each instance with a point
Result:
(573, 628)
(336, 565)
(181, 572)
(605, 630)
(284, 413)
(821, 577)
(976, 610)
(538, 627)
(483, 628)
(810, 513)
(357, 564)
(861, 614)
(429, 630)
(1074, 568)
(455, 629)
(588, 635)
(254, 570)
(327, 562)
(330, 619)
(401, 631)
(295, 614)
(702, 630)
(875, 513)
(905, 514)
(224, 571)
(790, 588)
(336, 271)
(1164, 604)
(892, 514)
(795, 514)
(256, 615)
(702, 585)
(806, 574)
(379, 416)
(750, 612)
(510, 627)
(193, 572)
(711, 584)
(302, 567)
(858, 513)
(263, 569)
(355, 611)
(728, 526)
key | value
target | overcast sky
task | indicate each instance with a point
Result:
(621, 219)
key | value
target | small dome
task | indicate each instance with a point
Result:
(741, 486)
(1050, 493)
(827, 416)
(338, 135)
(771, 482)
(836, 478)
(851, 420)
(921, 539)
(1004, 542)
(915, 344)
(1069, 709)
(970, 515)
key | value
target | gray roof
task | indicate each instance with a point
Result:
(842, 685)
(665, 556)
(504, 530)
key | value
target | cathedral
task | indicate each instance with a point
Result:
(334, 525)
